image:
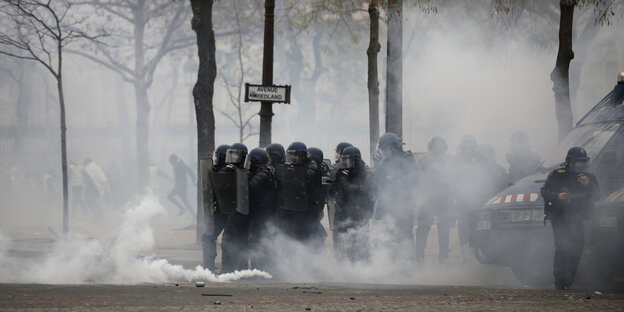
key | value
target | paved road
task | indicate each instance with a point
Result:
(264, 296)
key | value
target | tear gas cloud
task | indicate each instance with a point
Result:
(460, 77)
(124, 259)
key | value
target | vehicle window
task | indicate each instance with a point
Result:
(592, 138)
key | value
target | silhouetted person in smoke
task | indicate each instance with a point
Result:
(96, 186)
(354, 206)
(262, 201)
(234, 243)
(209, 240)
(438, 194)
(472, 188)
(522, 160)
(180, 171)
(569, 195)
(394, 178)
(496, 175)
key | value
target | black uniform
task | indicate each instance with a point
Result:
(438, 198)
(262, 201)
(209, 241)
(566, 216)
(234, 243)
(354, 208)
(305, 226)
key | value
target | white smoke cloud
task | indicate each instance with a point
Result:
(78, 260)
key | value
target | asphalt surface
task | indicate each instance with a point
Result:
(262, 296)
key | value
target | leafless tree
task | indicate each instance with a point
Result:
(39, 31)
(157, 29)
(239, 117)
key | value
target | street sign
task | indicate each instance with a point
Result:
(260, 93)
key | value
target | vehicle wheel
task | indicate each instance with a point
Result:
(532, 275)
(483, 256)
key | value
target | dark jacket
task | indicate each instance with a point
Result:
(262, 199)
(581, 197)
(352, 193)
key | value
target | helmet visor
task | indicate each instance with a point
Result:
(293, 158)
(579, 165)
(233, 156)
(348, 162)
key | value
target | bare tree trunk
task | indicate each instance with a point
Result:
(59, 84)
(394, 69)
(202, 94)
(373, 80)
(142, 137)
(560, 74)
(140, 94)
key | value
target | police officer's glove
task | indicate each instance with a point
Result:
(230, 168)
(344, 172)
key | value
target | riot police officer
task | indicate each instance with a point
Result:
(569, 195)
(438, 197)
(394, 175)
(262, 201)
(316, 155)
(354, 206)
(339, 148)
(300, 199)
(276, 154)
(209, 240)
(233, 247)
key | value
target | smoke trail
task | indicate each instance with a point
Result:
(79, 260)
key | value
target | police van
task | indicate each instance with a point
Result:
(510, 229)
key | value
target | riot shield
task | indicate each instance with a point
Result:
(292, 194)
(205, 166)
(242, 191)
(224, 188)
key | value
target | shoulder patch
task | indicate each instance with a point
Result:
(560, 170)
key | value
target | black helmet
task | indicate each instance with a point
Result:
(437, 146)
(219, 155)
(350, 157)
(340, 147)
(389, 139)
(236, 154)
(257, 156)
(577, 159)
(296, 154)
(276, 152)
(315, 154)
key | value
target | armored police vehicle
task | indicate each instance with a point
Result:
(510, 228)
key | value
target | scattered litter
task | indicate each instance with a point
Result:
(177, 284)
(308, 309)
(250, 307)
(588, 297)
(200, 284)
(597, 293)
(267, 301)
(351, 298)
(312, 292)
(217, 302)
(217, 295)
(299, 287)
